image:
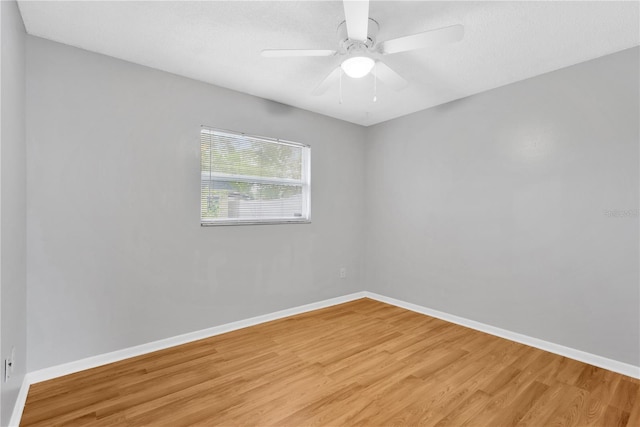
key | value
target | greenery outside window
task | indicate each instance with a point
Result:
(252, 180)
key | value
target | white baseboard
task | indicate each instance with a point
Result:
(115, 356)
(20, 401)
(571, 353)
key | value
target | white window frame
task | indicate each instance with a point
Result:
(305, 182)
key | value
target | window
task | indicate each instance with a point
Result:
(252, 180)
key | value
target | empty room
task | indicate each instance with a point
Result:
(320, 213)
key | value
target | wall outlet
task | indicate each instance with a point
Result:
(7, 369)
(9, 365)
(343, 272)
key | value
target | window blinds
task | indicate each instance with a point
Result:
(248, 179)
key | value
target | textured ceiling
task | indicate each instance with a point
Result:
(219, 42)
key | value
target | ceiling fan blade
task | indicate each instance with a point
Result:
(286, 53)
(389, 77)
(356, 13)
(430, 38)
(328, 81)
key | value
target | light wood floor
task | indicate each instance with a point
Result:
(362, 363)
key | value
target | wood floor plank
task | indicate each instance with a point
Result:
(596, 403)
(634, 416)
(615, 417)
(362, 363)
(467, 411)
(543, 408)
(568, 413)
(518, 408)
(626, 395)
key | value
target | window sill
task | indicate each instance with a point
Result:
(275, 222)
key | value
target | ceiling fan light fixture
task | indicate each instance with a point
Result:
(357, 66)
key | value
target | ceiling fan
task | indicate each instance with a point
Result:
(362, 52)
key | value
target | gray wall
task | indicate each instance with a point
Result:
(497, 207)
(116, 253)
(13, 291)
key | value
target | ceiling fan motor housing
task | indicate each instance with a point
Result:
(348, 45)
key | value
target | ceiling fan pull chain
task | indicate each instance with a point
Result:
(340, 89)
(375, 83)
